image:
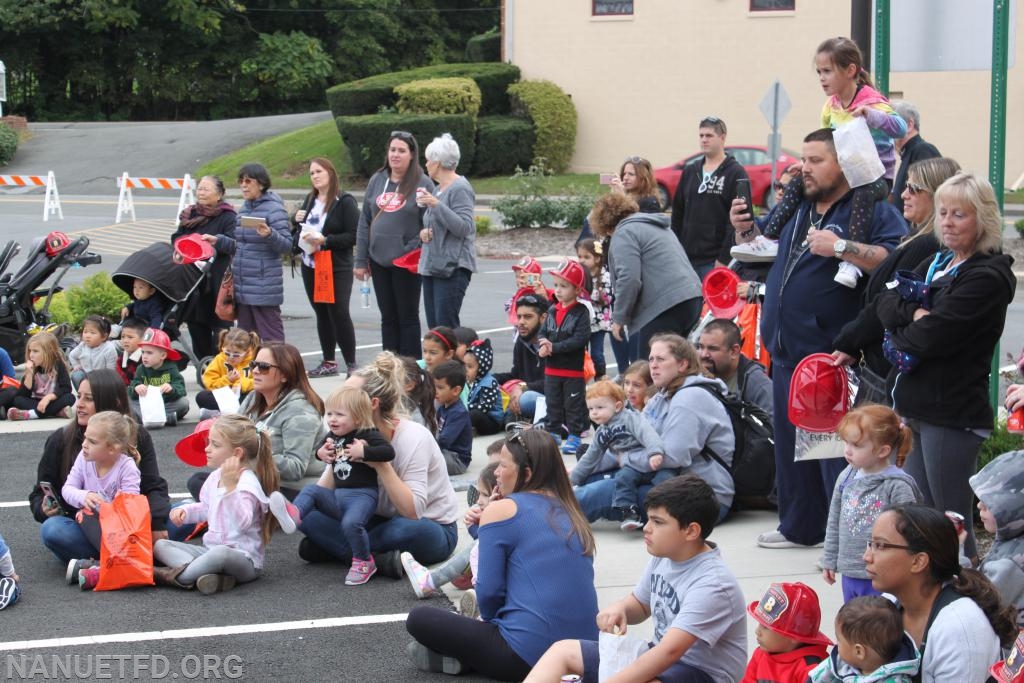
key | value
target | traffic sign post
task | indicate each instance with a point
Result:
(775, 105)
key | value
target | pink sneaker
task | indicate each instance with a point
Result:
(360, 572)
(286, 514)
(19, 414)
(88, 578)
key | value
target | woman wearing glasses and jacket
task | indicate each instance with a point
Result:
(389, 227)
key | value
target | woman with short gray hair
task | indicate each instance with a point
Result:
(448, 260)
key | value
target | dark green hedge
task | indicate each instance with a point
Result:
(366, 137)
(485, 47)
(502, 143)
(368, 95)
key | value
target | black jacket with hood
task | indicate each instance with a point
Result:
(701, 219)
(954, 342)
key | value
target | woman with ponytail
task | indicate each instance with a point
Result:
(954, 615)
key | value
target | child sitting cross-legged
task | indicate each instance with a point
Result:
(454, 428)
(697, 605)
(158, 372)
(789, 643)
(347, 490)
(45, 389)
(94, 352)
(871, 645)
(632, 444)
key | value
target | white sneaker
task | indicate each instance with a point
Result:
(848, 274)
(759, 250)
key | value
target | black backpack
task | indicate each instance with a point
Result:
(753, 460)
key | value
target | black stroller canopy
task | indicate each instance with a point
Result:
(155, 264)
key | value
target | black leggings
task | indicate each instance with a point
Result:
(477, 644)
(483, 423)
(333, 321)
(9, 398)
(398, 297)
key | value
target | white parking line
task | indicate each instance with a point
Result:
(375, 346)
(178, 634)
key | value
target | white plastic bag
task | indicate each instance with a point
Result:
(151, 406)
(825, 445)
(618, 652)
(858, 156)
(227, 400)
(540, 410)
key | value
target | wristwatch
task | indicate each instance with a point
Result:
(839, 247)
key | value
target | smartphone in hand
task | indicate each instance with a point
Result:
(49, 496)
(743, 192)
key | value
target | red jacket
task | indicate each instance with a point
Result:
(785, 667)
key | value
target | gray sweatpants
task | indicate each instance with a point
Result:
(454, 567)
(202, 560)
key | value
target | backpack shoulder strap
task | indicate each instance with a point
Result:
(707, 451)
(946, 596)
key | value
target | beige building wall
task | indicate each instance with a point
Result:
(642, 83)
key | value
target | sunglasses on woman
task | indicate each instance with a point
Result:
(262, 367)
(914, 188)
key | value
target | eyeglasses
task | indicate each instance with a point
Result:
(516, 436)
(262, 367)
(778, 186)
(246, 181)
(878, 546)
(914, 188)
(234, 354)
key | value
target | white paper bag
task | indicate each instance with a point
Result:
(540, 410)
(151, 405)
(617, 652)
(227, 400)
(858, 156)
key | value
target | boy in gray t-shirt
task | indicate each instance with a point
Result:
(700, 632)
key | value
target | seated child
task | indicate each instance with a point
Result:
(454, 428)
(624, 439)
(45, 389)
(229, 368)
(419, 395)
(999, 486)
(347, 490)
(159, 373)
(696, 602)
(6, 366)
(870, 643)
(465, 336)
(132, 332)
(9, 588)
(637, 382)
(789, 643)
(146, 304)
(425, 581)
(484, 402)
(94, 352)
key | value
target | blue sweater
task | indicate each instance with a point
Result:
(534, 581)
(455, 430)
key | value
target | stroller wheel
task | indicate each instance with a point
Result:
(201, 368)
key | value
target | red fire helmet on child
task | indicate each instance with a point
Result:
(1011, 670)
(792, 611)
(160, 340)
(191, 450)
(572, 272)
(527, 264)
(719, 289)
(819, 394)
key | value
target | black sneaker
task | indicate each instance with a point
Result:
(327, 368)
(389, 564)
(312, 553)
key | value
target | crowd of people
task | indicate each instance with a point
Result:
(912, 305)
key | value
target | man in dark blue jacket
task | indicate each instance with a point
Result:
(804, 309)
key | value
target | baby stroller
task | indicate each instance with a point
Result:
(19, 291)
(173, 279)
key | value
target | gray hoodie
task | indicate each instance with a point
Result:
(295, 429)
(1000, 486)
(857, 502)
(650, 271)
(628, 437)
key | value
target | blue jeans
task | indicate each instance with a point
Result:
(595, 498)
(428, 541)
(597, 351)
(351, 508)
(442, 297)
(527, 405)
(628, 482)
(623, 351)
(64, 538)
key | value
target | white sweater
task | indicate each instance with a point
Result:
(960, 645)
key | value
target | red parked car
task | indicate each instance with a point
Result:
(753, 158)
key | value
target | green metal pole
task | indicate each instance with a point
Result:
(997, 136)
(881, 70)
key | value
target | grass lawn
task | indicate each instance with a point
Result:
(286, 156)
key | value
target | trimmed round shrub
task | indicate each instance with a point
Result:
(8, 144)
(368, 95)
(366, 137)
(502, 144)
(439, 96)
(485, 47)
(554, 120)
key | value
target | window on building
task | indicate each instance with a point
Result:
(604, 8)
(772, 5)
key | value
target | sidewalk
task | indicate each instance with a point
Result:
(621, 556)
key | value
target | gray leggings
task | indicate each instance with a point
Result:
(454, 567)
(202, 560)
(941, 462)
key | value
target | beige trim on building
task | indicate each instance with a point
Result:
(641, 83)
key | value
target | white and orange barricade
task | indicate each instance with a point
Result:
(51, 203)
(126, 204)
